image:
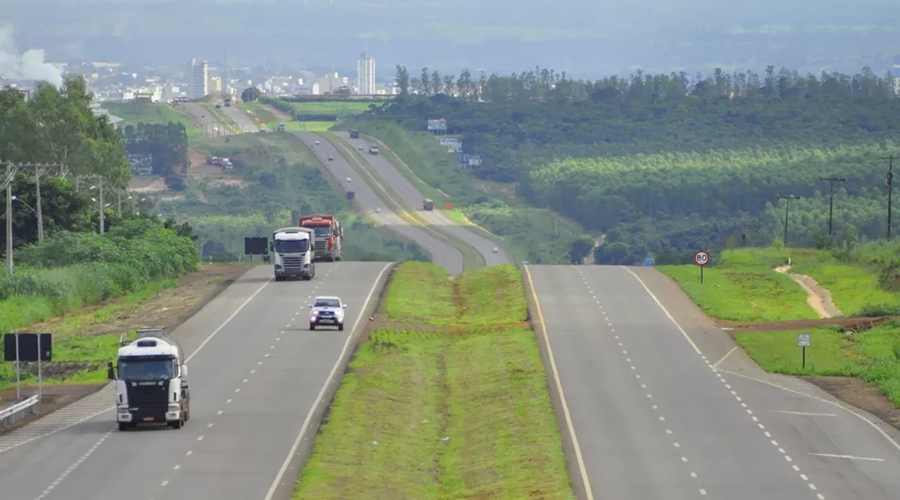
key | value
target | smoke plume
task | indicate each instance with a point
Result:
(28, 66)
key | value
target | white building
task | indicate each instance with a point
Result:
(331, 82)
(198, 79)
(895, 74)
(365, 74)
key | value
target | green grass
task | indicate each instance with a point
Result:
(158, 114)
(872, 355)
(493, 206)
(743, 286)
(83, 355)
(339, 108)
(460, 412)
(471, 257)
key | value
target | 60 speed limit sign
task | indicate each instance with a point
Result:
(701, 258)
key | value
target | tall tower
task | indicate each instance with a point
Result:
(198, 79)
(365, 74)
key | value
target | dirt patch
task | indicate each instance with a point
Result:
(198, 169)
(859, 394)
(169, 308)
(818, 297)
(281, 115)
(147, 184)
(735, 327)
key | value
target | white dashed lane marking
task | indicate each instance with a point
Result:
(719, 375)
(74, 466)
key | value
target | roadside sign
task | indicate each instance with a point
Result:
(648, 262)
(803, 340)
(701, 258)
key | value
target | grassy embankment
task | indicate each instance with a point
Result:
(531, 234)
(159, 114)
(264, 113)
(135, 260)
(471, 257)
(447, 400)
(279, 174)
(744, 287)
(313, 116)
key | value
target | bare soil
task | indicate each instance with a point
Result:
(855, 324)
(147, 184)
(169, 308)
(211, 173)
(859, 394)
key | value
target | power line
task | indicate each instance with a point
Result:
(890, 183)
(787, 209)
(831, 181)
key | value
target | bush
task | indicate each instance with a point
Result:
(73, 270)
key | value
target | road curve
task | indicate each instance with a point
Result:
(661, 410)
(412, 198)
(441, 253)
(255, 372)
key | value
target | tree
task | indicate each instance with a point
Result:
(402, 80)
(250, 94)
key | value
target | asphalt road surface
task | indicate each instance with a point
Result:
(242, 119)
(663, 413)
(256, 373)
(412, 198)
(205, 119)
(441, 253)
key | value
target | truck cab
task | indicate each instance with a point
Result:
(428, 204)
(329, 236)
(294, 249)
(151, 381)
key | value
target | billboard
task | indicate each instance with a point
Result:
(468, 160)
(437, 126)
(452, 144)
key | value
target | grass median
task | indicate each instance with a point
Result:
(471, 257)
(446, 399)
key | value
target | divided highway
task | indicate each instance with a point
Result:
(412, 198)
(256, 371)
(441, 253)
(674, 411)
(242, 119)
(207, 122)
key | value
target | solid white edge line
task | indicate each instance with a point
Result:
(666, 311)
(328, 381)
(112, 407)
(858, 415)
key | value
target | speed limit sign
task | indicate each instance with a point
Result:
(701, 258)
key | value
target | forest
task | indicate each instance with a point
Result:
(666, 164)
(162, 147)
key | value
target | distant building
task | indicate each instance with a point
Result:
(365, 74)
(331, 82)
(198, 79)
(895, 74)
(214, 85)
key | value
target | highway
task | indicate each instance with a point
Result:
(412, 198)
(255, 373)
(441, 253)
(670, 410)
(242, 119)
(206, 120)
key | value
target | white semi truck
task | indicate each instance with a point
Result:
(151, 381)
(294, 249)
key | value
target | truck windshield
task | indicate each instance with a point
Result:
(146, 369)
(322, 231)
(291, 246)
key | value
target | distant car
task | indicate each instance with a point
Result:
(349, 180)
(317, 143)
(327, 311)
(377, 210)
(360, 148)
(495, 250)
(331, 158)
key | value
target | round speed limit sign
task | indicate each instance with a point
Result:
(701, 258)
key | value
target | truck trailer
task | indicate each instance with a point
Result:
(294, 249)
(329, 236)
(151, 380)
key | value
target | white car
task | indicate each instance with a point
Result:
(317, 143)
(327, 311)
(377, 210)
(495, 250)
(348, 179)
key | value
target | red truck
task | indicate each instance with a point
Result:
(329, 242)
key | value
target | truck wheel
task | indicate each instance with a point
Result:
(178, 423)
(312, 326)
(124, 426)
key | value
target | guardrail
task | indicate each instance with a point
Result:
(18, 411)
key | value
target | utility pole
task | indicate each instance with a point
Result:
(99, 187)
(787, 209)
(7, 182)
(890, 183)
(831, 181)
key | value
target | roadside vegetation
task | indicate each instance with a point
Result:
(133, 113)
(872, 355)
(447, 398)
(742, 284)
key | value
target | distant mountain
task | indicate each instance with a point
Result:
(500, 35)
